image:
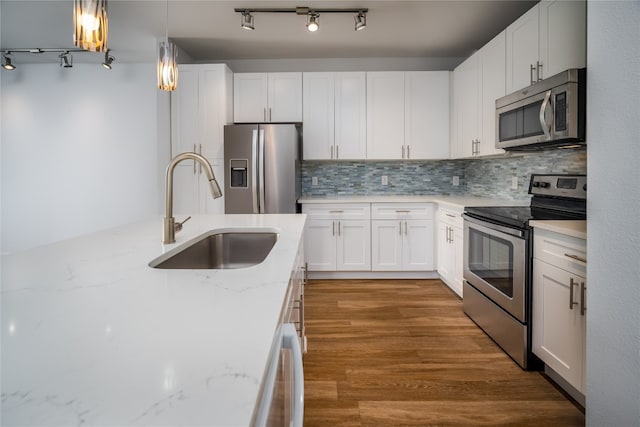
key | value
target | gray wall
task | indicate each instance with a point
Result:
(613, 245)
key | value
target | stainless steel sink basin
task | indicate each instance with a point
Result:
(220, 250)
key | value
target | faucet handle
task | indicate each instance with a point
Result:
(178, 225)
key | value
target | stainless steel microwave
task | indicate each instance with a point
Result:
(549, 113)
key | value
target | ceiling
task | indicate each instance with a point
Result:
(210, 30)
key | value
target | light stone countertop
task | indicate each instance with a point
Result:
(569, 227)
(91, 335)
(458, 202)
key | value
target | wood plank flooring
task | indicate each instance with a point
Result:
(403, 353)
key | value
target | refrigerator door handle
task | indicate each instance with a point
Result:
(261, 170)
(254, 166)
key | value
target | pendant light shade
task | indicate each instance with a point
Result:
(90, 25)
(167, 66)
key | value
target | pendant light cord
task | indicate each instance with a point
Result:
(166, 24)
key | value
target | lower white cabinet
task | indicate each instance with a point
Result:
(450, 248)
(559, 304)
(338, 237)
(402, 237)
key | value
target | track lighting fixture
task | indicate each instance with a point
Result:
(247, 21)
(90, 25)
(313, 16)
(108, 59)
(313, 22)
(66, 60)
(6, 63)
(361, 21)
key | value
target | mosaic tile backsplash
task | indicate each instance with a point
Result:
(477, 177)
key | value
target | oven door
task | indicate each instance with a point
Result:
(495, 263)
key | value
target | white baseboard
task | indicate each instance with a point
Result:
(571, 390)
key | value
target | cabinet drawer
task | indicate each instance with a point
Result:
(402, 210)
(450, 216)
(566, 252)
(337, 210)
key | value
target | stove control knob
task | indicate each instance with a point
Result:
(584, 187)
(535, 184)
(544, 185)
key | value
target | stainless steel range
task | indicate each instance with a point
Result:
(498, 260)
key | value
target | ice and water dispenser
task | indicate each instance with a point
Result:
(239, 170)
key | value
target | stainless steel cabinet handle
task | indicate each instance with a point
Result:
(339, 227)
(531, 74)
(477, 147)
(571, 285)
(539, 70)
(194, 162)
(450, 216)
(333, 228)
(406, 229)
(200, 152)
(399, 228)
(336, 211)
(264, 114)
(543, 120)
(576, 257)
(583, 288)
(332, 152)
(269, 113)
(408, 151)
(403, 211)
(403, 151)
(337, 151)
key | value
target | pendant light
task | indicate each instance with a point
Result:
(167, 60)
(90, 25)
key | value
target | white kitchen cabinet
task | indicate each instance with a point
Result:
(334, 116)
(450, 248)
(338, 237)
(426, 114)
(402, 237)
(478, 82)
(547, 39)
(559, 304)
(200, 108)
(267, 97)
(408, 115)
(385, 115)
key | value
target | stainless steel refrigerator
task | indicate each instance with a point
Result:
(262, 168)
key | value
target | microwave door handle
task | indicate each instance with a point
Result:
(543, 116)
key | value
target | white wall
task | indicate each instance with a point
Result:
(613, 245)
(80, 150)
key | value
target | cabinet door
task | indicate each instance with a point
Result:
(385, 115)
(492, 75)
(522, 50)
(350, 116)
(558, 332)
(250, 97)
(285, 97)
(467, 95)
(320, 245)
(318, 116)
(417, 245)
(214, 108)
(184, 112)
(353, 245)
(426, 114)
(386, 245)
(445, 253)
(563, 36)
(458, 254)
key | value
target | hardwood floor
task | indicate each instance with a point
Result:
(403, 353)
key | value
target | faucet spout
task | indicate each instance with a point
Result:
(169, 228)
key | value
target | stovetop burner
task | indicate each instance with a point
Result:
(555, 197)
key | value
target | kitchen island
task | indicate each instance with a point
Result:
(91, 335)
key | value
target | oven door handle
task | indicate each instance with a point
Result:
(507, 230)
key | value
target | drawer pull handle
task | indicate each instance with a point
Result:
(450, 216)
(402, 211)
(583, 288)
(576, 257)
(336, 211)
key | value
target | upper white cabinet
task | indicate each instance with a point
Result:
(267, 97)
(407, 115)
(334, 116)
(548, 39)
(385, 115)
(200, 108)
(478, 82)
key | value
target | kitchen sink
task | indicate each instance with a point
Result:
(220, 250)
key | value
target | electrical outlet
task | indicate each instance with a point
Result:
(314, 180)
(384, 180)
(456, 181)
(514, 183)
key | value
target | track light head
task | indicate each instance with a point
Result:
(108, 59)
(6, 62)
(247, 21)
(66, 60)
(361, 21)
(313, 22)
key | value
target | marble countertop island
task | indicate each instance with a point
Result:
(91, 335)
